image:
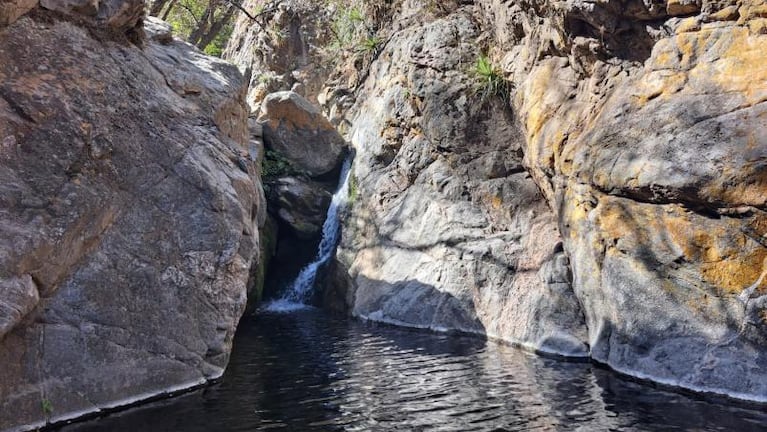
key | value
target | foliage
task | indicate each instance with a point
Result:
(276, 165)
(216, 48)
(200, 21)
(185, 15)
(351, 29)
(370, 44)
(490, 80)
(47, 407)
(353, 187)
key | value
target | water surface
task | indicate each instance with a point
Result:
(308, 371)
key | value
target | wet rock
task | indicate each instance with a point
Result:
(301, 204)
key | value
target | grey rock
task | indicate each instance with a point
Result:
(114, 14)
(128, 227)
(288, 56)
(302, 204)
(158, 30)
(446, 231)
(19, 297)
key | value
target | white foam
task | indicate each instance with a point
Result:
(283, 306)
(300, 291)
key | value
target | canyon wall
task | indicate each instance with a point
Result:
(645, 130)
(130, 210)
(606, 198)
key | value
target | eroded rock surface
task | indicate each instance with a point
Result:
(129, 216)
(297, 130)
(287, 57)
(302, 204)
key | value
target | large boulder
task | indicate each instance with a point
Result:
(301, 204)
(129, 216)
(297, 130)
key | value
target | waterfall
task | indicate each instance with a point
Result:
(300, 290)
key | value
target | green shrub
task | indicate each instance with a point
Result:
(348, 27)
(275, 165)
(370, 44)
(491, 82)
(47, 407)
(353, 187)
(355, 15)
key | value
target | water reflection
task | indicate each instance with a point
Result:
(310, 372)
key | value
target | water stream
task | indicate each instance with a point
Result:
(300, 290)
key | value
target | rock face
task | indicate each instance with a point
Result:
(129, 216)
(284, 57)
(617, 207)
(447, 230)
(653, 156)
(302, 204)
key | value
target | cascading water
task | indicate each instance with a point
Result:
(299, 292)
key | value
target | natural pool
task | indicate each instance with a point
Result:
(309, 371)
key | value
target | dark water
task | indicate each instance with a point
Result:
(310, 372)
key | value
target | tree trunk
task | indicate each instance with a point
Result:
(216, 27)
(204, 23)
(168, 10)
(157, 6)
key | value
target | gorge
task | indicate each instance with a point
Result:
(583, 179)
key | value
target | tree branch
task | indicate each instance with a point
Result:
(191, 12)
(255, 18)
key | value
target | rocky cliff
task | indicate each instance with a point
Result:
(644, 129)
(130, 210)
(598, 187)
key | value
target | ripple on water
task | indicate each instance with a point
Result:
(307, 371)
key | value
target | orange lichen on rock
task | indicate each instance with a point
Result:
(741, 67)
(736, 274)
(725, 258)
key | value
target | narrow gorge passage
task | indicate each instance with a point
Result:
(400, 215)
